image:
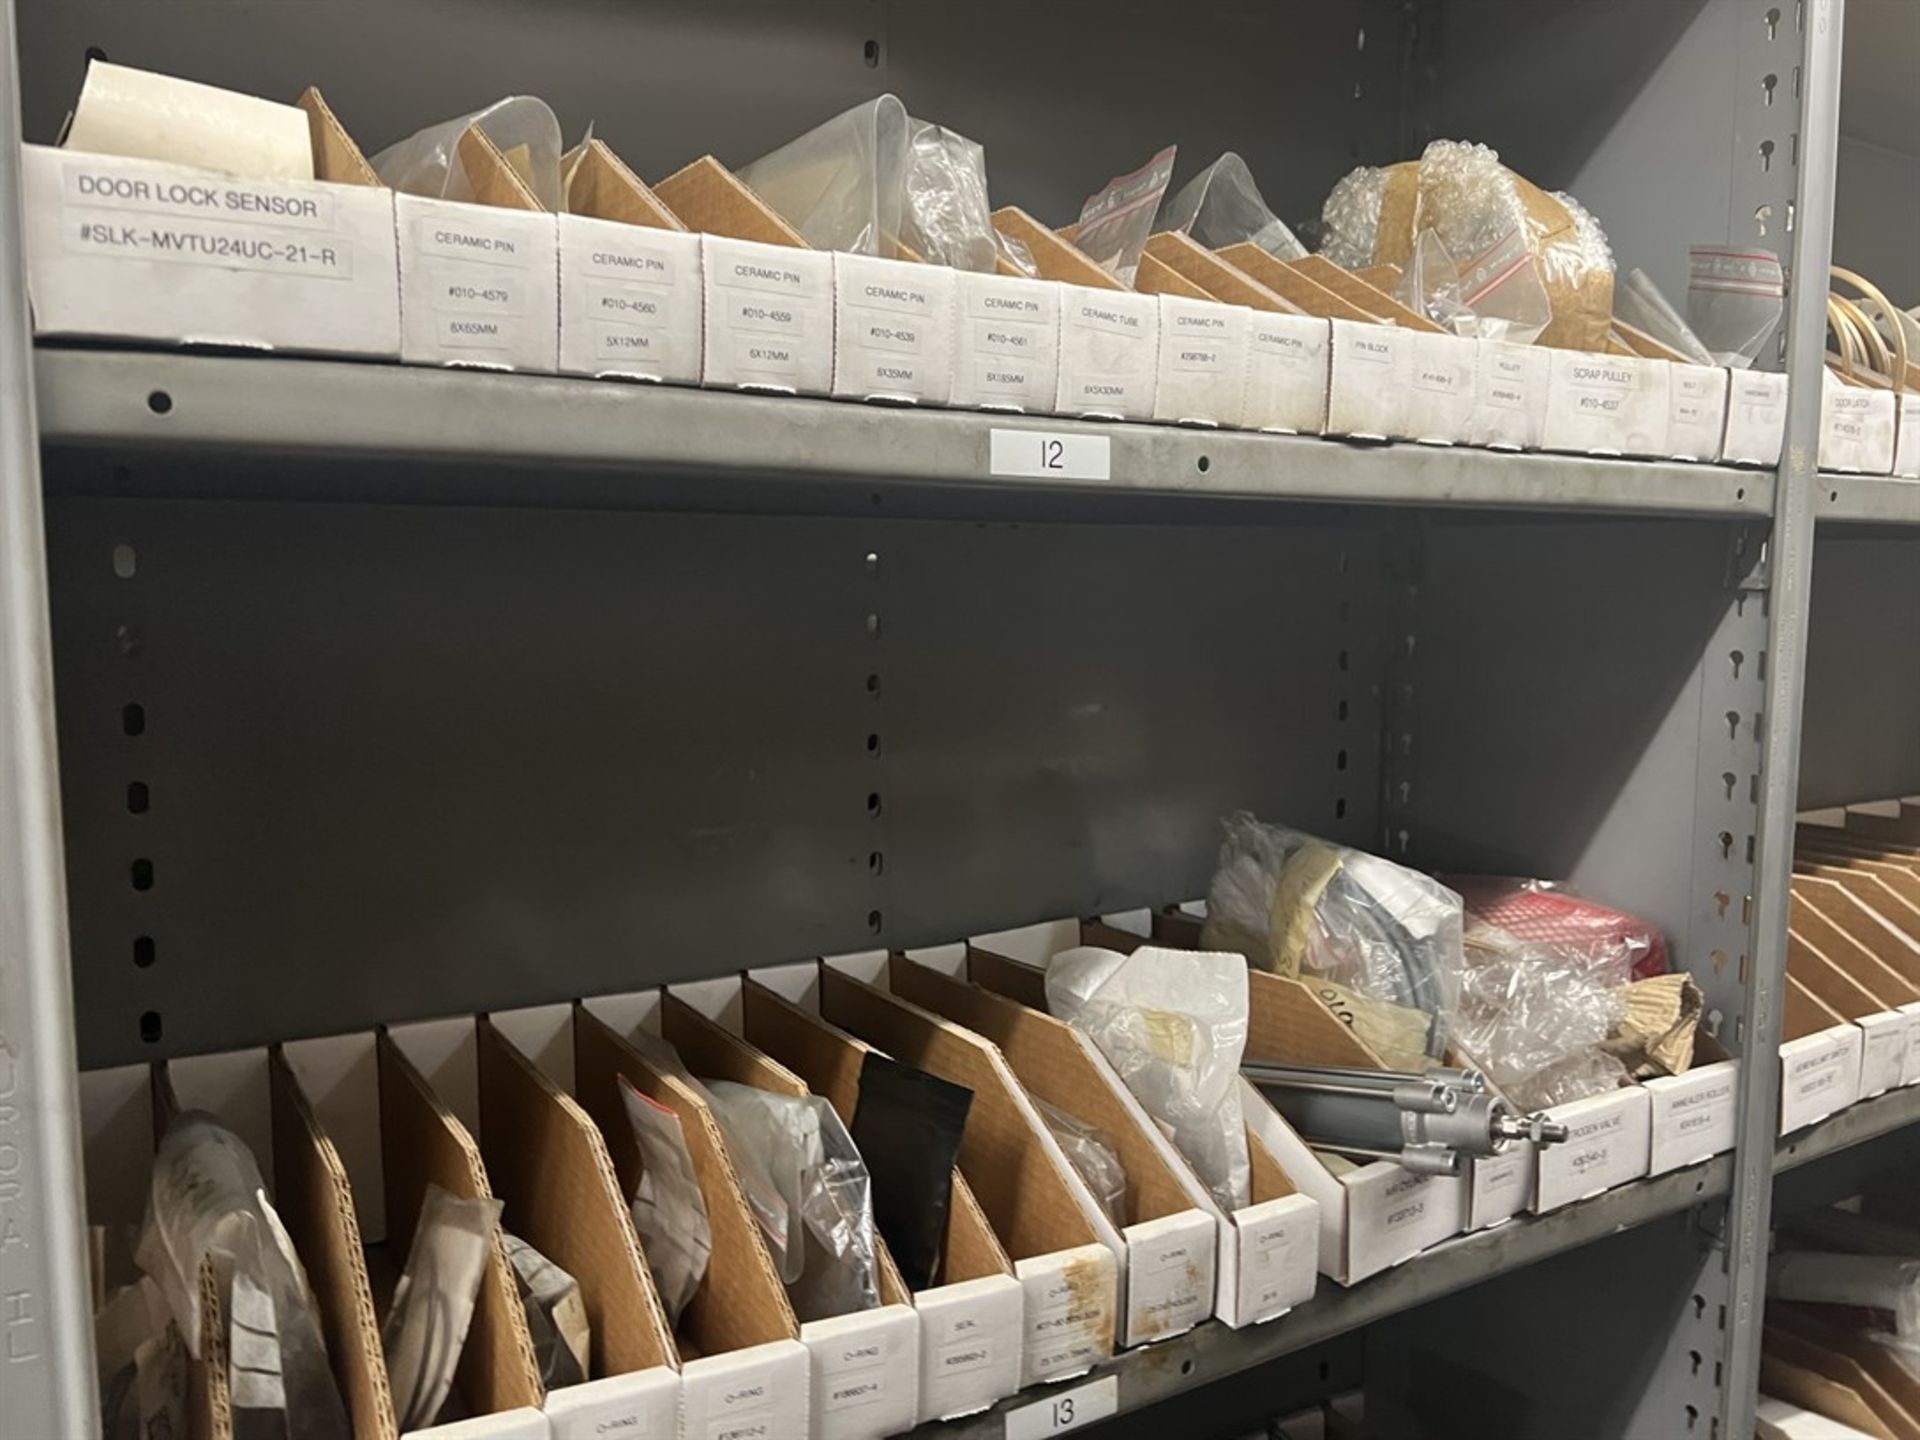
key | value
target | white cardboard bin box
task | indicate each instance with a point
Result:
(630, 301)
(769, 317)
(479, 285)
(892, 330)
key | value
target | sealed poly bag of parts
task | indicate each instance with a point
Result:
(1114, 224)
(1535, 1022)
(909, 1125)
(556, 1314)
(1498, 297)
(1221, 206)
(434, 1301)
(1173, 1024)
(521, 127)
(142, 1364)
(1091, 1156)
(1491, 222)
(122, 111)
(948, 218)
(811, 1159)
(1734, 301)
(1381, 944)
(209, 1203)
(1639, 302)
(669, 1212)
(1608, 944)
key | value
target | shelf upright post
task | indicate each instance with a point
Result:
(46, 1342)
(1790, 563)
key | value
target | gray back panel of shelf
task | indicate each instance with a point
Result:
(399, 761)
(1860, 732)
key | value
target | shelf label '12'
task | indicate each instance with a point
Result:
(1050, 455)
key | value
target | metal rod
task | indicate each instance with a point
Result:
(1790, 575)
(46, 1331)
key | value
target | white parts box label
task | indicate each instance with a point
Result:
(1440, 388)
(1109, 353)
(1070, 1302)
(769, 317)
(642, 1406)
(1393, 1214)
(1906, 443)
(1269, 1258)
(1911, 1010)
(1371, 368)
(1692, 1115)
(1006, 343)
(629, 301)
(1696, 412)
(1756, 418)
(479, 286)
(759, 1393)
(1819, 1075)
(1607, 405)
(1287, 359)
(1509, 397)
(1606, 1145)
(1856, 427)
(137, 250)
(970, 1335)
(864, 1381)
(1203, 362)
(1883, 1052)
(1499, 1186)
(892, 330)
(1170, 1269)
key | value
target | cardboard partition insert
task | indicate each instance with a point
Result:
(970, 1321)
(1011, 1164)
(742, 1367)
(1164, 1238)
(865, 1380)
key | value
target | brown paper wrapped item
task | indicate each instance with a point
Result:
(1656, 1038)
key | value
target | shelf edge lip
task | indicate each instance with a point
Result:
(1867, 500)
(99, 398)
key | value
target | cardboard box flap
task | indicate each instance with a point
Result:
(602, 187)
(1018, 1182)
(713, 1053)
(1803, 1013)
(421, 1144)
(829, 1060)
(1860, 921)
(1855, 1396)
(1025, 984)
(549, 1165)
(1299, 290)
(741, 1302)
(1157, 278)
(315, 1203)
(495, 181)
(1898, 1384)
(1287, 1024)
(1351, 288)
(1270, 1180)
(1836, 989)
(1882, 981)
(1052, 1064)
(1382, 277)
(336, 157)
(708, 197)
(1213, 275)
(1055, 257)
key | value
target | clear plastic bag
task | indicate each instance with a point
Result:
(1534, 1019)
(433, 1304)
(1092, 1157)
(806, 1152)
(556, 1315)
(1310, 909)
(1350, 218)
(1638, 301)
(142, 1364)
(949, 219)
(669, 1210)
(1222, 206)
(1887, 1289)
(1173, 1024)
(1609, 945)
(1114, 223)
(1734, 301)
(843, 183)
(208, 1202)
(522, 127)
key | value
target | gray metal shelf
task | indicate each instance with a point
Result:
(1867, 500)
(324, 410)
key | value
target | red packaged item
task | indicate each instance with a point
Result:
(1615, 944)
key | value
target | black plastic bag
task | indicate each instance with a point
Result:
(908, 1127)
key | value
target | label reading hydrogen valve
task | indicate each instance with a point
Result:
(1050, 455)
(1069, 1410)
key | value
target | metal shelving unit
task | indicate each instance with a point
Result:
(702, 681)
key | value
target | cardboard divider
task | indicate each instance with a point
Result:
(767, 297)
(1862, 925)
(547, 1162)
(1889, 1387)
(1299, 289)
(1023, 1182)
(743, 1371)
(970, 1322)
(1165, 1236)
(630, 278)
(1054, 257)
(1266, 1249)
(865, 1371)
(424, 1141)
(1798, 1370)
(1358, 293)
(1155, 277)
